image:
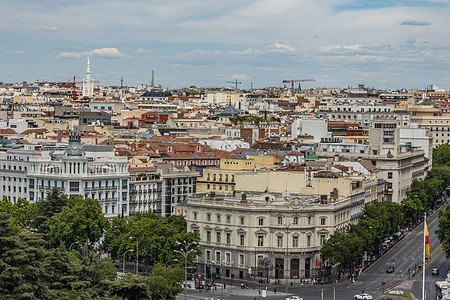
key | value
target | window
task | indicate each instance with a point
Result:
(227, 257)
(241, 259)
(228, 238)
(112, 209)
(232, 177)
(309, 220)
(208, 186)
(260, 221)
(208, 255)
(389, 185)
(241, 239)
(322, 221)
(308, 241)
(220, 177)
(219, 218)
(208, 236)
(228, 219)
(208, 217)
(322, 239)
(260, 241)
(214, 177)
(218, 237)
(241, 220)
(226, 177)
(295, 221)
(280, 242)
(218, 257)
(195, 215)
(208, 177)
(280, 221)
(294, 241)
(389, 175)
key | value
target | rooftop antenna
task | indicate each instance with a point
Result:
(153, 78)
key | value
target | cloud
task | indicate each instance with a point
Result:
(46, 28)
(415, 23)
(240, 77)
(17, 52)
(281, 47)
(142, 51)
(103, 52)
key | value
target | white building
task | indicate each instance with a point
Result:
(88, 82)
(32, 172)
(273, 236)
(310, 127)
(225, 145)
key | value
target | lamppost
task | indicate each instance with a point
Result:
(137, 253)
(221, 273)
(185, 251)
(173, 259)
(287, 253)
(70, 248)
(131, 250)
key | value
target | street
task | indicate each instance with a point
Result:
(403, 256)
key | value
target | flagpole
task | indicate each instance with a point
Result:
(423, 260)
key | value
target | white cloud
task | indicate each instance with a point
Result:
(240, 77)
(17, 52)
(142, 51)
(282, 47)
(103, 52)
(46, 28)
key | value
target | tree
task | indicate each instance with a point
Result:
(157, 237)
(21, 257)
(81, 221)
(46, 209)
(443, 230)
(441, 155)
(60, 273)
(131, 287)
(165, 283)
(342, 248)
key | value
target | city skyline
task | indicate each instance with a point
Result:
(387, 44)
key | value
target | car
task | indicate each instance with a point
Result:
(294, 298)
(435, 271)
(390, 269)
(363, 297)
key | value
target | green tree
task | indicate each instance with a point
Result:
(441, 155)
(343, 248)
(131, 288)
(21, 257)
(443, 230)
(165, 283)
(81, 221)
(46, 209)
(157, 237)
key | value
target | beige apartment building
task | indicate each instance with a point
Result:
(267, 235)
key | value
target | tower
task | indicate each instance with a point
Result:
(88, 82)
(153, 78)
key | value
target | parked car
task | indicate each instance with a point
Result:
(294, 298)
(435, 271)
(363, 297)
(390, 269)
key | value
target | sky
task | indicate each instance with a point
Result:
(339, 43)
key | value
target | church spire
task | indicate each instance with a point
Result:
(88, 83)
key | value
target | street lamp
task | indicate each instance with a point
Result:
(123, 266)
(185, 251)
(137, 253)
(70, 248)
(221, 273)
(173, 259)
(287, 253)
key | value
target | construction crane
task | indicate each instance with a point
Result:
(296, 80)
(236, 82)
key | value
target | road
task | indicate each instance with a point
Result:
(402, 256)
